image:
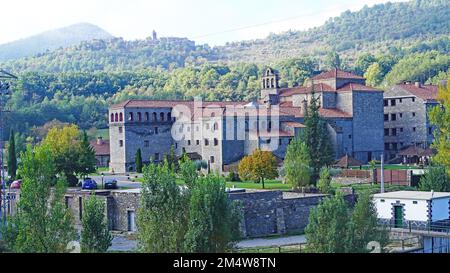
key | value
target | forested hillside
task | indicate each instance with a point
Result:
(381, 28)
(51, 40)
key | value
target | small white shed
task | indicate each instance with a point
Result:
(412, 208)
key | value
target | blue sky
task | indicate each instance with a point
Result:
(205, 21)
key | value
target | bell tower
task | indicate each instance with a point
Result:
(269, 87)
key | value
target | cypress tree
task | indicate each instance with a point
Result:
(138, 161)
(12, 156)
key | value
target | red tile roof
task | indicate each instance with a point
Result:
(319, 87)
(293, 124)
(425, 92)
(100, 149)
(336, 73)
(358, 87)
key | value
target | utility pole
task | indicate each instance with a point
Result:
(382, 172)
(5, 85)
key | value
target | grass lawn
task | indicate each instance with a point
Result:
(269, 184)
(388, 167)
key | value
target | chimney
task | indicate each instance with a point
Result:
(417, 84)
(304, 107)
(99, 140)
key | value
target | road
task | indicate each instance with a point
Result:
(123, 181)
(267, 242)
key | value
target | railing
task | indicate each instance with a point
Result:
(411, 226)
(293, 248)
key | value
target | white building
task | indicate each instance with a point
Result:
(412, 208)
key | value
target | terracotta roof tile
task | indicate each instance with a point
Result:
(425, 92)
(100, 149)
(336, 73)
(358, 87)
(319, 87)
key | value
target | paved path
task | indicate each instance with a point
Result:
(121, 243)
(265, 242)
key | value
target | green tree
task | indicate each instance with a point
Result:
(86, 156)
(324, 183)
(363, 62)
(212, 225)
(440, 117)
(42, 222)
(374, 75)
(162, 217)
(296, 164)
(95, 235)
(12, 156)
(365, 227)
(435, 179)
(329, 223)
(317, 138)
(333, 60)
(188, 171)
(138, 160)
(258, 166)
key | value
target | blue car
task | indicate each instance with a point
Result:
(89, 184)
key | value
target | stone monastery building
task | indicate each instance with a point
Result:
(221, 133)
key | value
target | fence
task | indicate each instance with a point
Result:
(294, 248)
(394, 177)
(355, 173)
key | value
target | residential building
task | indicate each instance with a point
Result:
(406, 116)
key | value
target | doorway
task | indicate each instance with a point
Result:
(131, 221)
(398, 216)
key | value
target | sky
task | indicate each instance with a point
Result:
(206, 21)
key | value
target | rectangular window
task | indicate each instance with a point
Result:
(414, 129)
(393, 102)
(189, 143)
(386, 117)
(400, 101)
(413, 114)
(206, 142)
(212, 159)
(197, 142)
(401, 130)
(387, 146)
(382, 200)
(394, 131)
(394, 146)
(386, 103)
(393, 117)
(216, 142)
(156, 130)
(156, 156)
(120, 143)
(386, 132)
(413, 99)
(349, 136)
(280, 141)
(430, 130)
(146, 143)
(415, 202)
(401, 115)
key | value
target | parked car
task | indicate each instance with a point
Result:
(111, 184)
(16, 184)
(89, 184)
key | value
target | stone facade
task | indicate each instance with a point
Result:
(406, 122)
(221, 133)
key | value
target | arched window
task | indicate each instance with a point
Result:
(116, 119)
(272, 83)
(147, 116)
(139, 116)
(216, 126)
(154, 116)
(120, 117)
(131, 118)
(112, 117)
(161, 116)
(169, 116)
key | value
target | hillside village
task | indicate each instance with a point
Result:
(191, 154)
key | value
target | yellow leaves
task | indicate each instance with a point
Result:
(61, 140)
(259, 165)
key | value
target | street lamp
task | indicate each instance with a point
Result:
(103, 175)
